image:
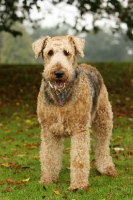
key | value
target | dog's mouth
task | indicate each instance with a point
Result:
(57, 85)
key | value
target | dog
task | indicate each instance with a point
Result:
(72, 98)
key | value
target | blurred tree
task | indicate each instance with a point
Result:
(104, 47)
(13, 11)
(53, 31)
(99, 47)
(16, 50)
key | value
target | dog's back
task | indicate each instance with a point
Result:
(95, 82)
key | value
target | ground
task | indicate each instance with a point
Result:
(20, 139)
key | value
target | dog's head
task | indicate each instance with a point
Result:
(59, 55)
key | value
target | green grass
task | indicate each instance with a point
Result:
(19, 159)
(20, 140)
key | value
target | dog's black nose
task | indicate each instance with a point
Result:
(58, 74)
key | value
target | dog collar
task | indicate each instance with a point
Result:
(61, 94)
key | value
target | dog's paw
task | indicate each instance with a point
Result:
(109, 171)
(75, 187)
(46, 181)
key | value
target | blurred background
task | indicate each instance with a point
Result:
(107, 27)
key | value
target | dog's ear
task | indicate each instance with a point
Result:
(39, 45)
(79, 44)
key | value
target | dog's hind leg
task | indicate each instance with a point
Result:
(50, 157)
(102, 125)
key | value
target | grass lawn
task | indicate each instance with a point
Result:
(20, 140)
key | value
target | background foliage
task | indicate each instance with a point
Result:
(120, 12)
(16, 50)
(99, 47)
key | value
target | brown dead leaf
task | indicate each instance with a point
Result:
(89, 191)
(19, 182)
(32, 146)
(9, 181)
(8, 189)
(65, 196)
(1, 182)
(8, 131)
(22, 181)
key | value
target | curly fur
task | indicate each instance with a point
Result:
(85, 104)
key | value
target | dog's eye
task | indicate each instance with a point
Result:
(50, 53)
(66, 53)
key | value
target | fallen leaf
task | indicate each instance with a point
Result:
(13, 149)
(131, 80)
(89, 191)
(130, 119)
(36, 157)
(28, 121)
(68, 148)
(68, 168)
(1, 182)
(8, 131)
(26, 180)
(118, 149)
(65, 196)
(17, 104)
(128, 169)
(21, 155)
(9, 181)
(124, 186)
(8, 189)
(127, 98)
(32, 146)
(19, 182)
(5, 165)
(56, 192)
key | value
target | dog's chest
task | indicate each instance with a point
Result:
(59, 121)
(63, 120)
(60, 127)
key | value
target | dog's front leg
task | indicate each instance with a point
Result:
(80, 165)
(50, 156)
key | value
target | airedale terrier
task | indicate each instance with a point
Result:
(72, 98)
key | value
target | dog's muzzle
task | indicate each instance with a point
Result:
(58, 74)
(59, 80)
(59, 83)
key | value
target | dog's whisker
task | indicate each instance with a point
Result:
(50, 84)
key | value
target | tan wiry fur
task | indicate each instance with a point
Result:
(85, 104)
